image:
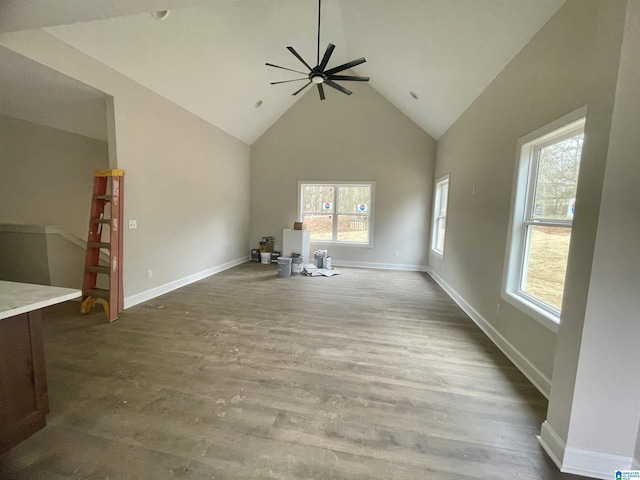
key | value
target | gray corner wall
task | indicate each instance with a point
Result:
(47, 175)
(24, 255)
(605, 412)
(41, 255)
(348, 138)
(186, 182)
(571, 62)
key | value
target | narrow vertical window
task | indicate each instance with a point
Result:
(439, 226)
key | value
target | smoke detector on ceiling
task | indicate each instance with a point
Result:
(160, 14)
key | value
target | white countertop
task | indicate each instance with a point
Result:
(17, 298)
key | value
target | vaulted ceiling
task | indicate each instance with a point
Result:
(209, 56)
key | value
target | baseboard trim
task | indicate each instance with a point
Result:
(595, 464)
(379, 266)
(551, 443)
(152, 293)
(529, 370)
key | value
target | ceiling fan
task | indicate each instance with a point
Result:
(318, 75)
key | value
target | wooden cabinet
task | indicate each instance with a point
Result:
(24, 403)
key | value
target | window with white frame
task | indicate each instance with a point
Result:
(439, 225)
(338, 212)
(543, 205)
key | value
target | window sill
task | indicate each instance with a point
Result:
(546, 319)
(340, 244)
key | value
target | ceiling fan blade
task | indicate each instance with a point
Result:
(327, 56)
(298, 91)
(351, 78)
(284, 68)
(338, 87)
(321, 91)
(287, 81)
(293, 50)
(344, 66)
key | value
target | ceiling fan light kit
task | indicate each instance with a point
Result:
(318, 75)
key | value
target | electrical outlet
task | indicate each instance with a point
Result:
(498, 308)
(149, 273)
(133, 224)
(396, 254)
(473, 190)
(233, 250)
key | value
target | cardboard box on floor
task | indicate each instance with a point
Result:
(266, 244)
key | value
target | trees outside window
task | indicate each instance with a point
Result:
(338, 212)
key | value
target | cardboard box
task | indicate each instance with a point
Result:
(266, 244)
(299, 226)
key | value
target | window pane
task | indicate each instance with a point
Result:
(320, 226)
(353, 228)
(444, 192)
(354, 198)
(441, 228)
(547, 263)
(557, 179)
(318, 198)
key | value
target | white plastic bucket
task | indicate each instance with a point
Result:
(296, 265)
(265, 258)
(284, 267)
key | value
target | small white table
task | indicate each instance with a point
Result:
(296, 241)
(24, 401)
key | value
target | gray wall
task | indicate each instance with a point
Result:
(609, 366)
(42, 255)
(47, 175)
(571, 62)
(23, 255)
(186, 183)
(360, 137)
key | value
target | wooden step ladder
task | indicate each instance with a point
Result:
(108, 189)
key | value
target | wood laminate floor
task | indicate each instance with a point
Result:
(244, 375)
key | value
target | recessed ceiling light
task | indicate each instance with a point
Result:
(414, 95)
(258, 103)
(160, 14)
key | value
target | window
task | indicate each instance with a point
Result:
(542, 216)
(338, 212)
(439, 226)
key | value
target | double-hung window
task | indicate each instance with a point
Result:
(338, 212)
(542, 216)
(439, 224)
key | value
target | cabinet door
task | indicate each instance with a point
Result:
(23, 388)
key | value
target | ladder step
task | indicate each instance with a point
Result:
(98, 245)
(97, 293)
(101, 220)
(98, 269)
(102, 197)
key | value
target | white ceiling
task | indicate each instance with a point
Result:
(209, 57)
